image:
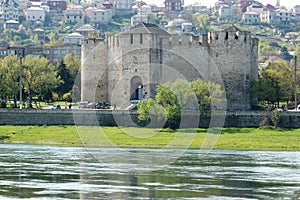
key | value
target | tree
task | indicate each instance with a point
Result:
(9, 77)
(67, 70)
(40, 76)
(72, 64)
(151, 18)
(173, 98)
(52, 37)
(201, 21)
(273, 85)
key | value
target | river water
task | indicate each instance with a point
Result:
(45, 172)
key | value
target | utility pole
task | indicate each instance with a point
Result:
(295, 82)
(21, 86)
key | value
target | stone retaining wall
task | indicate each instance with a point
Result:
(127, 118)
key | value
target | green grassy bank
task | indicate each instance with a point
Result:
(231, 138)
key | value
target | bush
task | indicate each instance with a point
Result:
(2, 105)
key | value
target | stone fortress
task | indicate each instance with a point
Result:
(127, 67)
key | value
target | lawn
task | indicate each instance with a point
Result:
(231, 138)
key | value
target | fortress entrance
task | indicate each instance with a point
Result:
(136, 88)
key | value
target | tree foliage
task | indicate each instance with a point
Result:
(273, 86)
(201, 21)
(173, 98)
(39, 76)
(9, 77)
(67, 71)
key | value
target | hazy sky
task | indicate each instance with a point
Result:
(287, 3)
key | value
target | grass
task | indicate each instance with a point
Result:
(231, 138)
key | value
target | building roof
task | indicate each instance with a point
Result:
(86, 27)
(251, 13)
(269, 6)
(12, 22)
(233, 28)
(6, 2)
(35, 8)
(106, 3)
(38, 30)
(148, 29)
(75, 35)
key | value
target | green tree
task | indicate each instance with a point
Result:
(202, 21)
(151, 18)
(67, 71)
(9, 77)
(52, 37)
(39, 76)
(274, 85)
(173, 98)
(72, 64)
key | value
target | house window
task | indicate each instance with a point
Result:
(55, 52)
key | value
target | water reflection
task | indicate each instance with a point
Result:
(74, 173)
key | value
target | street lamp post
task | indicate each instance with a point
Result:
(21, 54)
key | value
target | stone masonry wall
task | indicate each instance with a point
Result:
(126, 118)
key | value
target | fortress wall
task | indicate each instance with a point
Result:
(114, 56)
(94, 70)
(254, 67)
(161, 58)
(126, 118)
(232, 53)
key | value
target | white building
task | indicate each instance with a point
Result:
(100, 16)
(268, 16)
(143, 10)
(187, 27)
(225, 12)
(198, 8)
(34, 14)
(74, 15)
(123, 4)
(138, 18)
(279, 16)
(9, 10)
(296, 10)
(295, 13)
(283, 16)
(73, 38)
(141, 16)
(11, 24)
(251, 17)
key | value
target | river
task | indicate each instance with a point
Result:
(46, 172)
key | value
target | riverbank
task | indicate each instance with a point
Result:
(231, 138)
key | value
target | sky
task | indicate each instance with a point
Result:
(288, 3)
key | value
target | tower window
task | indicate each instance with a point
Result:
(226, 36)
(141, 38)
(131, 38)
